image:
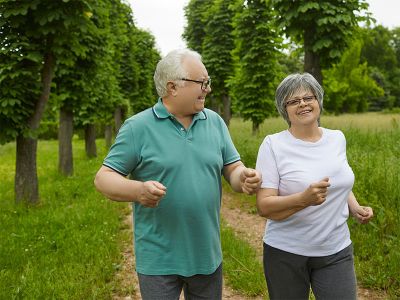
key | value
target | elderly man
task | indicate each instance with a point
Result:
(175, 154)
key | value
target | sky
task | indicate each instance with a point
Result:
(165, 19)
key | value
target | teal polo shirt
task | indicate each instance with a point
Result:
(182, 234)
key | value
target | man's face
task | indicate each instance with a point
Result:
(191, 96)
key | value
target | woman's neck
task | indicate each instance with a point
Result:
(309, 133)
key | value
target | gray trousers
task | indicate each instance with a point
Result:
(290, 276)
(169, 287)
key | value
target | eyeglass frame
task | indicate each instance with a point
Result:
(296, 101)
(205, 84)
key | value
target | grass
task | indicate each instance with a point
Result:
(243, 271)
(373, 151)
(68, 246)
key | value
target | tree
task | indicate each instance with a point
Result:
(379, 50)
(348, 86)
(195, 31)
(32, 35)
(142, 53)
(87, 89)
(395, 89)
(256, 56)
(218, 44)
(322, 27)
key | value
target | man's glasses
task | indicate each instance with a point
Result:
(297, 101)
(205, 84)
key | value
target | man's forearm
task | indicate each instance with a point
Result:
(116, 187)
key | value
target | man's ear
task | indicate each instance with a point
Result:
(172, 88)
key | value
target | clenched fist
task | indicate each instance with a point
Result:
(151, 193)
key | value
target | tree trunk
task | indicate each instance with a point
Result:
(108, 135)
(214, 105)
(311, 59)
(47, 77)
(226, 100)
(256, 128)
(26, 180)
(118, 119)
(65, 132)
(90, 140)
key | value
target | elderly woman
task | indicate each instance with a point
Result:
(306, 195)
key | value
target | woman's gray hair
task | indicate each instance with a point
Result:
(170, 68)
(293, 83)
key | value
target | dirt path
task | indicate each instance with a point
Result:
(127, 277)
(248, 226)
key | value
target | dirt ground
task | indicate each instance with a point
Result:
(248, 226)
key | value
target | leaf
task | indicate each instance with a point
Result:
(34, 56)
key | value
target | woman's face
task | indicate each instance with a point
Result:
(302, 108)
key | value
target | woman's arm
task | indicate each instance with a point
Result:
(363, 214)
(272, 206)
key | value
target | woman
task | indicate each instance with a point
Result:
(306, 195)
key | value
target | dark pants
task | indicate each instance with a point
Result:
(290, 276)
(169, 287)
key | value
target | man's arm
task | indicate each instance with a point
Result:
(242, 179)
(118, 188)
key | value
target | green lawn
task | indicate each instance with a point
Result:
(69, 246)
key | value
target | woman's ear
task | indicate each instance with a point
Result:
(172, 88)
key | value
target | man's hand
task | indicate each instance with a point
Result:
(151, 193)
(250, 180)
(363, 214)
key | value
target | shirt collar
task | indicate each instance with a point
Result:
(161, 112)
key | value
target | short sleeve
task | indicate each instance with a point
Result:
(230, 154)
(266, 164)
(123, 156)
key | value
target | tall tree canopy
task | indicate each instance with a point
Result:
(217, 47)
(33, 33)
(256, 55)
(84, 43)
(323, 27)
(195, 30)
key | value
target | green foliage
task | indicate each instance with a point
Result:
(381, 50)
(68, 247)
(347, 84)
(218, 44)
(256, 53)
(330, 23)
(377, 49)
(243, 271)
(195, 30)
(374, 158)
(142, 56)
(30, 32)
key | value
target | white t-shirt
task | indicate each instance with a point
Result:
(290, 165)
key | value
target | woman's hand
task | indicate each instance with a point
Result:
(363, 214)
(316, 193)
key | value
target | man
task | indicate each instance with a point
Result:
(175, 153)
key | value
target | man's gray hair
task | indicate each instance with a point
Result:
(170, 68)
(293, 83)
